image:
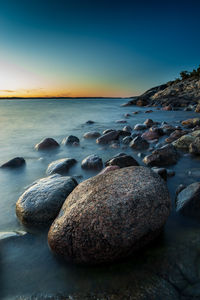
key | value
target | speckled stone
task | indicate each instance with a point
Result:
(41, 202)
(109, 216)
(164, 156)
(60, 166)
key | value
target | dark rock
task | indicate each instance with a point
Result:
(188, 200)
(175, 135)
(194, 147)
(90, 122)
(47, 144)
(148, 111)
(140, 127)
(190, 123)
(168, 107)
(91, 135)
(109, 216)
(122, 161)
(107, 131)
(108, 137)
(41, 202)
(109, 169)
(60, 166)
(180, 188)
(138, 143)
(170, 173)
(14, 163)
(126, 140)
(141, 102)
(121, 121)
(92, 162)
(164, 156)
(160, 171)
(70, 140)
(151, 135)
(123, 133)
(149, 122)
(127, 128)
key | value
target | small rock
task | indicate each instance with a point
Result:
(140, 127)
(108, 137)
(70, 140)
(126, 140)
(194, 147)
(148, 111)
(168, 107)
(164, 156)
(90, 122)
(122, 161)
(91, 135)
(121, 121)
(149, 122)
(14, 163)
(92, 162)
(160, 171)
(138, 143)
(60, 166)
(191, 122)
(127, 128)
(47, 144)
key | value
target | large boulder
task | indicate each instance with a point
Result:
(16, 162)
(109, 216)
(60, 166)
(122, 161)
(92, 162)
(41, 202)
(188, 200)
(164, 156)
(47, 144)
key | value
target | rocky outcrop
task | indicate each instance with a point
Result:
(109, 216)
(41, 202)
(60, 166)
(16, 162)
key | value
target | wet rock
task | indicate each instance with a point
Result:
(109, 216)
(70, 140)
(135, 112)
(197, 110)
(127, 115)
(180, 188)
(9, 234)
(91, 135)
(60, 166)
(109, 169)
(122, 161)
(89, 122)
(188, 200)
(138, 143)
(194, 147)
(151, 135)
(175, 135)
(141, 102)
(16, 162)
(92, 162)
(195, 133)
(47, 144)
(149, 122)
(126, 140)
(184, 142)
(127, 128)
(170, 173)
(123, 133)
(108, 137)
(107, 131)
(140, 127)
(168, 107)
(190, 123)
(164, 156)
(121, 121)
(160, 171)
(167, 129)
(148, 111)
(41, 202)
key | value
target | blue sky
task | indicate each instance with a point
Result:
(95, 48)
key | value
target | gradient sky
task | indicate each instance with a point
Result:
(95, 48)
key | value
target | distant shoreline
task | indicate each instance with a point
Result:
(13, 98)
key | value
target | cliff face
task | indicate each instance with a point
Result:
(181, 93)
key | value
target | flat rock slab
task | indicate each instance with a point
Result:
(109, 216)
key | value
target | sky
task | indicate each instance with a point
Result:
(85, 48)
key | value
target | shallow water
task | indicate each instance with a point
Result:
(28, 266)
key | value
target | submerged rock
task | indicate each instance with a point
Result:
(127, 128)
(70, 140)
(122, 161)
(89, 122)
(126, 140)
(164, 156)
(91, 135)
(188, 200)
(41, 202)
(92, 162)
(60, 166)
(47, 144)
(109, 216)
(16, 162)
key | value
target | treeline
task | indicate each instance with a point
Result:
(195, 74)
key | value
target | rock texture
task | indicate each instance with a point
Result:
(92, 162)
(109, 216)
(164, 156)
(41, 202)
(16, 162)
(70, 140)
(194, 147)
(122, 161)
(47, 144)
(188, 200)
(108, 137)
(91, 135)
(60, 166)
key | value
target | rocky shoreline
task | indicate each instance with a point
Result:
(121, 209)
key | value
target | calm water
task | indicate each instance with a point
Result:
(27, 264)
